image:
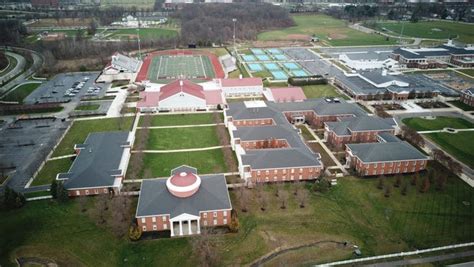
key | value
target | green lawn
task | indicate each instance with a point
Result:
(10, 67)
(421, 124)
(181, 119)
(21, 92)
(128, 4)
(460, 145)
(323, 90)
(305, 132)
(182, 138)
(88, 107)
(207, 161)
(145, 33)
(328, 29)
(432, 29)
(49, 171)
(462, 106)
(469, 72)
(80, 129)
(354, 211)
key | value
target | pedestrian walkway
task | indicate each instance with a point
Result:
(62, 157)
(182, 126)
(180, 150)
(446, 130)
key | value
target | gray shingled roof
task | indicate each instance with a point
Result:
(284, 131)
(378, 152)
(388, 137)
(366, 123)
(321, 107)
(155, 199)
(280, 158)
(98, 161)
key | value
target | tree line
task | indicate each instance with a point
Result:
(212, 23)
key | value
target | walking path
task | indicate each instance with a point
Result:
(446, 130)
(182, 126)
(117, 103)
(341, 167)
(180, 150)
(437, 258)
(62, 157)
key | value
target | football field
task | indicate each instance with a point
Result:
(193, 67)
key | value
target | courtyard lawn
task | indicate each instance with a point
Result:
(182, 119)
(80, 129)
(145, 33)
(207, 161)
(462, 106)
(305, 133)
(328, 29)
(323, 90)
(50, 170)
(432, 29)
(181, 138)
(460, 145)
(21, 92)
(421, 124)
(88, 107)
(354, 211)
(469, 72)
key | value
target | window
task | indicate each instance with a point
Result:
(78, 193)
(292, 170)
(215, 214)
(301, 177)
(153, 219)
(215, 222)
(154, 227)
(204, 215)
(164, 218)
(87, 192)
(266, 179)
(258, 172)
(267, 172)
(144, 228)
(292, 177)
(96, 191)
(165, 226)
(284, 171)
(105, 190)
(275, 171)
(225, 221)
(143, 220)
(225, 213)
(205, 223)
(301, 169)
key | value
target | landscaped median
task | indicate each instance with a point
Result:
(437, 123)
(182, 119)
(181, 138)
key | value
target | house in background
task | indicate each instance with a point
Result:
(180, 95)
(183, 203)
(120, 68)
(241, 87)
(357, 130)
(467, 97)
(388, 156)
(100, 165)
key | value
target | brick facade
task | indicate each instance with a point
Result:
(92, 191)
(385, 168)
(467, 99)
(338, 141)
(285, 174)
(259, 144)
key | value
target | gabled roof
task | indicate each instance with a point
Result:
(385, 137)
(155, 199)
(469, 91)
(282, 131)
(179, 86)
(390, 151)
(98, 162)
(280, 158)
(286, 94)
(236, 82)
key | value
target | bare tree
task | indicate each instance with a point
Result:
(121, 216)
(82, 200)
(204, 249)
(262, 196)
(100, 209)
(283, 197)
(302, 197)
(243, 198)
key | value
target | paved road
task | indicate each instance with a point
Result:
(438, 258)
(20, 64)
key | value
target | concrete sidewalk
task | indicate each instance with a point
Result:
(181, 150)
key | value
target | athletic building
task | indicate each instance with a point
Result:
(389, 155)
(120, 68)
(357, 130)
(100, 165)
(183, 203)
(467, 97)
(180, 95)
(241, 87)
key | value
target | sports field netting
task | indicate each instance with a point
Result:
(248, 58)
(279, 75)
(166, 67)
(274, 51)
(300, 73)
(271, 66)
(257, 51)
(291, 66)
(263, 57)
(255, 67)
(280, 57)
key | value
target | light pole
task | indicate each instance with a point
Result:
(234, 20)
(138, 35)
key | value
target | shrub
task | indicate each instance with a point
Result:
(134, 232)
(234, 222)
(321, 185)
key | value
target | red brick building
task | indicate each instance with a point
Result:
(183, 203)
(389, 156)
(467, 97)
(356, 130)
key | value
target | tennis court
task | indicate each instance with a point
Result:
(257, 51)
(271, 66)
(248, 58)
(180, 66)
(279, 75)
(263, 57)
(274, 51)
(280, 57)
(291, 66)
(299, 73)
(255, 67)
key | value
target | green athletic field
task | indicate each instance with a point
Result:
(193, 67)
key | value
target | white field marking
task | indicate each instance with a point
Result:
(202, 66)
(159, 68)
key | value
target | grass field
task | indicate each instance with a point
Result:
(462, 106)
(181, 119)
(354, 211)
(145, 33)
(421, 124)
(432, 29)
(88, 107)
(182, 138)
(80, 129)
(330, 30)
(469, 72)
(12, 63)
(460, 145)
(318, 91)
(128, 4)
(21, 92)
(164, 67)
(49, 171)
(207, 161)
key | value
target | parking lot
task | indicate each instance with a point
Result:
(24, 144)
(68, 87)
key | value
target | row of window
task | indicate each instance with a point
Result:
(275, 178)
(165, 226)
(292, 170)
(95, 191)
(204, 215)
